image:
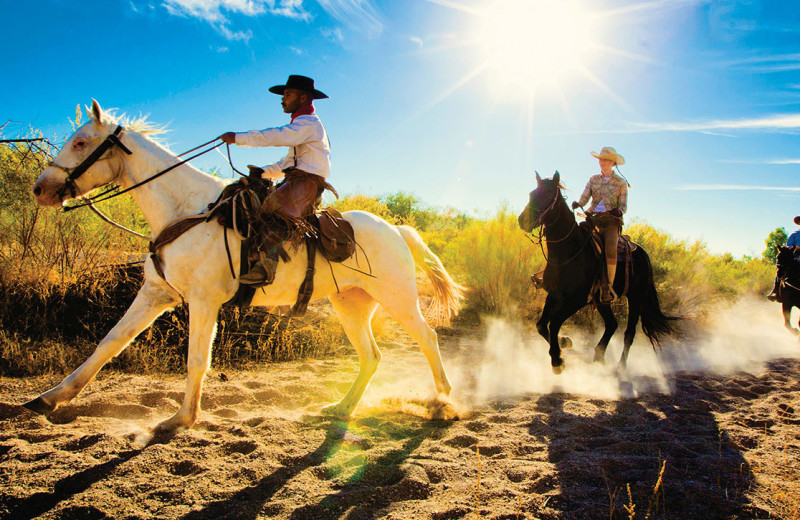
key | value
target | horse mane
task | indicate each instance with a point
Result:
(143, 126)
(138, 124)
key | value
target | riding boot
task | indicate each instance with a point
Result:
(262, 271)
(537, 279)
(607, 294)
(774, 295)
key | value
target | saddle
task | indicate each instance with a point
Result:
(240, 208)
(625, 249)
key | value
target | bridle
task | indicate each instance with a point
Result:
(74, 173)
(95, 156)
(541, 214)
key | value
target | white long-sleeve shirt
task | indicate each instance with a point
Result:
(307, 142)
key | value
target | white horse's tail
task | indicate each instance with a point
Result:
(447, 294)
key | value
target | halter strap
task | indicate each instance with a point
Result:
(74, 173)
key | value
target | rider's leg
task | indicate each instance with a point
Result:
(773, 296)
(611, 235)
(293, 199)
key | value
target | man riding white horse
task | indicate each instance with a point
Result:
(304, 169)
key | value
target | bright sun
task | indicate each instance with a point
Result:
(526, 43)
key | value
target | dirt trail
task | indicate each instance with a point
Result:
(729, 444)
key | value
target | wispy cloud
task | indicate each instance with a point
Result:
(458, 6)
(416, 40)
(215, 12)
(766, 64)
(333, 34)
(735, 187)
(778, 122)
(359, 15)
(648, 8)
(760, 161)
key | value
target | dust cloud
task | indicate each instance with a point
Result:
(510, 361)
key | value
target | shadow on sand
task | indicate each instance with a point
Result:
(614, 459)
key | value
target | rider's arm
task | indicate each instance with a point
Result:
(274, 171)
(587, 192)
(297, 132)
(623, 198)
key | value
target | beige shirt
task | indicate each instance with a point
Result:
(307, 141)
(613, 194)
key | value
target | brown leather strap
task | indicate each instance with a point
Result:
(307, 287)
(168, 235)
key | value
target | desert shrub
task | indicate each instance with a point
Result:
(494, 259)
(361, 202)
(39, 244)
(56, 329)
(690, 280)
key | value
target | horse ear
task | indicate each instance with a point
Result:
(538, 179)
(97, 111)
(556, 177)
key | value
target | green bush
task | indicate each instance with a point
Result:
(494, 259)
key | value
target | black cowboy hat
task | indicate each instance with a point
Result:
(299, 83)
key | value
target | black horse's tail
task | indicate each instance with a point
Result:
(655, 324)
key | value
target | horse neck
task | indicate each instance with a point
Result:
(560, 230)
(792, 269)
(182, 191)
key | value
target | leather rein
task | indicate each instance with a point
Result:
(114, 140)
(542, 226)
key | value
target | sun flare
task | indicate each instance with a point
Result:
(530, 42)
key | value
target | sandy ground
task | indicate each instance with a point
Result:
(702, 431)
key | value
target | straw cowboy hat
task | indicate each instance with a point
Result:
(609, 153)
(299, 83)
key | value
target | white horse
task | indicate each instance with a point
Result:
(196, 269)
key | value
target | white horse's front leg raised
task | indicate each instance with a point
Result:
(150, 302)
(202, 328)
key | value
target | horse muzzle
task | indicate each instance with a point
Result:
(48, 192)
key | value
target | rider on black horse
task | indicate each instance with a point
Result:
(794, 240)
(609, 193)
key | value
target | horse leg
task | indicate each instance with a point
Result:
(406, 312)
(610, 328)
(202, 328)
(149, 303)
(634, 312)
(355, 308)
(542, 326)
(787, 315)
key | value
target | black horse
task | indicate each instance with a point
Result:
(572, 268)
(789, 283)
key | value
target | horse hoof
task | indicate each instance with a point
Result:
(336, 412)
(565, 342)
(557, 369)
(39, 406)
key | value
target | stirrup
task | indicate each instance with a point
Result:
(607, 295)
(257, 276)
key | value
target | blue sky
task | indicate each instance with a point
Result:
(456, 101)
